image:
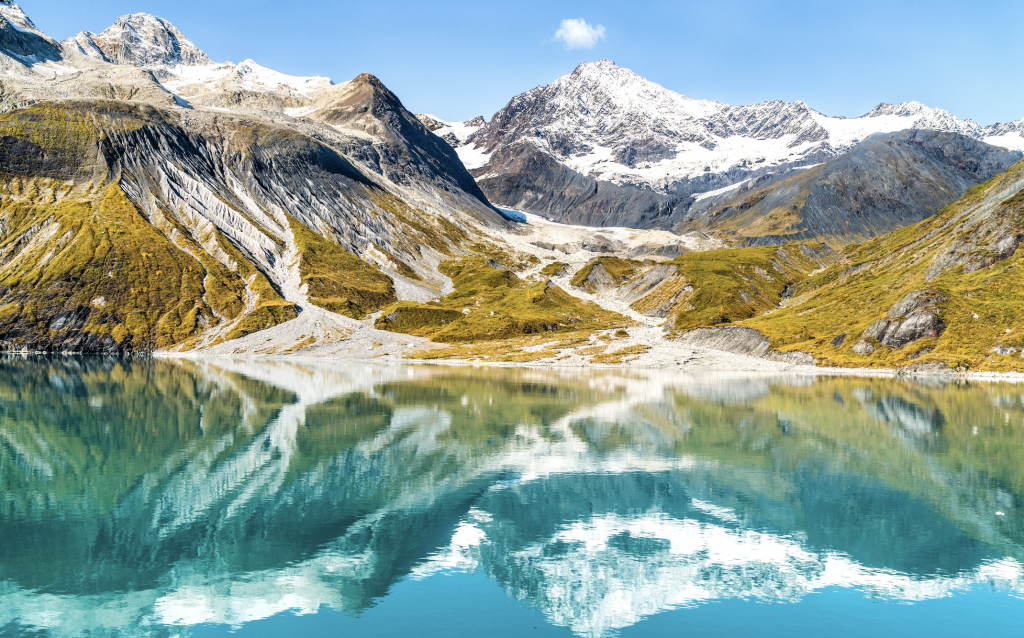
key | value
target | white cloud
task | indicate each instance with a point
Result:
(577, 34)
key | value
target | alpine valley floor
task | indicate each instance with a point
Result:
(641, 342)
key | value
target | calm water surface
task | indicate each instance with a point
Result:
(270, 499)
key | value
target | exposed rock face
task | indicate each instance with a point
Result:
(645, 283)
(219, 224)
(139, 40)
(915, 317)
(997, 239)
(887, 182)
(604, 146)
(523, 177)
(863, 347)
(366, 106)
(20, 38)
(742, 341)
(431, 123)
(598, 280)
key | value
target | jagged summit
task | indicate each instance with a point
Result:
(13, 13)
(927, 117)
(611, 75)
(604, 145)
(152, 43)
(365, 106)
(21, 39)
(140, 39)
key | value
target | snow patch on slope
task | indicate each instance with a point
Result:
(153, 43)
(195, 80)
(473, 157)
(460, 131)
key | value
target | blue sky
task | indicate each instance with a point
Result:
(458, 59)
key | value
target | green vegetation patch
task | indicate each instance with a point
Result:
(338, 280)
(724, 286)
(99, 276)
(270, 308)
(982, 310)
(491, 303)
(623, 355)
(555, 269)
(618, 270)
(96, 276)
(57, 140)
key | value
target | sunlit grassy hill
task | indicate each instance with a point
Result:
(963, 262)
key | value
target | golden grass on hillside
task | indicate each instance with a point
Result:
(338, 280)
(725, 286)
(984, 307)
(490, 303)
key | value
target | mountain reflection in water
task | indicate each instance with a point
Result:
(144, 497)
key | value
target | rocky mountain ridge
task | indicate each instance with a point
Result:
(939, 294)
(151, 43)
(606, 121)
(135, 220)
(139, 40)
(630, 152)
(886, 182)
(21, 38)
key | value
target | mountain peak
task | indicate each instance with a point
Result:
(600, 64)
(21, 38)
(11, 12)
(601, 68)
(140, 39)
(903, 109)
(621, 85)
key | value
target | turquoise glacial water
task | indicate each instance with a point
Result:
(179, 498)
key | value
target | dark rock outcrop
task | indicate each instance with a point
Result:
(915, 317)
(20, 39)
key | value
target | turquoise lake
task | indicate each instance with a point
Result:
(262, 498)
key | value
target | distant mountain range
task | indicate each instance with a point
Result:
(606, 147)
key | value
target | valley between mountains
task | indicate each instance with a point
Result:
(153, 200)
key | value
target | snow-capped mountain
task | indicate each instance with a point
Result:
(606, 124)
(140, 40)
(247, 75)
(153, 43)
(200, 161)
